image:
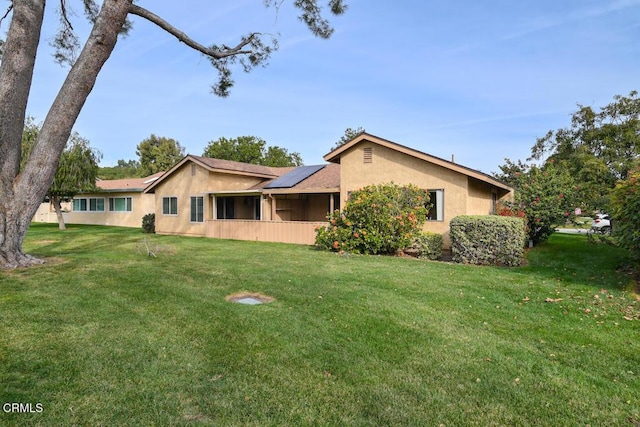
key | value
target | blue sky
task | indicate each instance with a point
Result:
(479, 80)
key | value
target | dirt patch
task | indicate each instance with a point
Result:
(249, 298)
(45, 242)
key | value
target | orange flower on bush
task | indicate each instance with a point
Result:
(336, 244)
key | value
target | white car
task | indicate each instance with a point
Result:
(601, 224)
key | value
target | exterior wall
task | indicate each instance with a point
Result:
(479, 200)
(189, 181)
(388, 165)
(141, 205)
(298, 232)
(46, 213)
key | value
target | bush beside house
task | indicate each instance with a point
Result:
(149, 223)
(377, 219)
(488, 240)
(427, 245)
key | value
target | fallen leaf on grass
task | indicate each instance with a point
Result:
(552, 300)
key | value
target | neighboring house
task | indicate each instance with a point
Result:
(219, 198)
(119, 202)
(201, 196)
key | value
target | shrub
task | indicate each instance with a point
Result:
(149, 223)
(545, 196)
(377, 219)
(489, 240)
(625, 200)
(427, 245)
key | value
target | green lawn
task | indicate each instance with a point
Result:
(104, 335)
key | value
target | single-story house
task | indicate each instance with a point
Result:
(223, 199)
(119, 202)
(217, 198)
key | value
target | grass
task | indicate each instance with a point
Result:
(105, 335)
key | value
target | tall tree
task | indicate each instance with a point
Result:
(598, 149)
(22, 191)
(77, 170)
(251, 149)
(158, 153)
(349, 134)
(123, 169)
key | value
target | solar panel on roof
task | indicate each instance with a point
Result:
(292, 178)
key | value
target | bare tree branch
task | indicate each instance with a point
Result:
(9, 9)
(63, 12)
(214, 52)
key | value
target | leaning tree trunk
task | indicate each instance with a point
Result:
(21, 193)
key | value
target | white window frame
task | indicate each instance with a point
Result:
(169, 213)
(128, 204)
(439, 204)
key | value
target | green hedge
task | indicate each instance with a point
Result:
(427, 245)
(487, 240)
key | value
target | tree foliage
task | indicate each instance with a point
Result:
(626, 213)
(21, 191)
(77, 170)
(377, 219)
(157, 154)
(349, 134)
(251, 149)
(123, 169)
(545, 195)
(599, 148)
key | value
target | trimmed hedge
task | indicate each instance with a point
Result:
(427, 245)
(487, 240)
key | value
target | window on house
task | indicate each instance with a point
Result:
(79, 205)
(120, 204)
(197, 209)
(169, 206)
(436, 198)
(225, 207)
(88, 204)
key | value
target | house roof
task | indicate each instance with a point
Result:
(224, 166)
(326, 178)
(127, 184)
(334, 156)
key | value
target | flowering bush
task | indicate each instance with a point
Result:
(377, 219)
(545, 196)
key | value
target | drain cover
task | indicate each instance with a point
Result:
(250, 301)
(249, 298)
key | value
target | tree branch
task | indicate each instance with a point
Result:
(9, 9)
(214, 52)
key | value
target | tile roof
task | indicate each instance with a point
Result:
(328, 177)
(127, 184)
(242, 167)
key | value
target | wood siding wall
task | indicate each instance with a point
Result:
(264, 231)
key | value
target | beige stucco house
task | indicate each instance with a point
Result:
(224, 199)
(207, 197)
(118, 202)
